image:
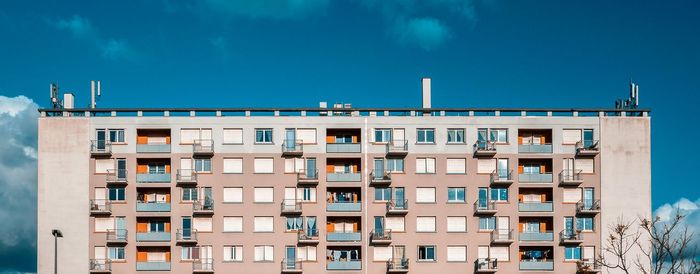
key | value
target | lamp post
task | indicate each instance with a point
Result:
(56, 234)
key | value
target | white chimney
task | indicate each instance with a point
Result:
(68, 100)
(426, 92)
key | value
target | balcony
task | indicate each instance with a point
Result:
(153, 266)
(501, 236)
(397, 148)
(486, 265)
(482, 207)
(307, 177)
(570, 178)
(570, 237)
(292, 148)
(205, 207)
(153, 178)
(186, 236)
(343, 148)
(186, 177)
(152, 207)
(379, 177)
(535, 148)
(344, 265)
(307, 237)
(397, 207)
(541, 265)
(380, 237)
(100, 266)
(290, 207)
(502, 178)
(535, 178)
(153, 236)
(344, 207)
(536, 236)
(536, 207)
(116, 176)
(588, 266)
(100, 148)
(203, 266)
(343, 236)
(484, 148)
(587, 148)
(397, 266)
(588, 207)
(203, 148)
(100, 207)
(291, 266)
(152, 148)
(344, 177)
(116, 236)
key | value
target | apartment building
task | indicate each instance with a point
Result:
(337, 190)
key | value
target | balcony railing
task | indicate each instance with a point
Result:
(186, 176)
(343, 148)
(290, 206)
(486, 265)
(344, 177)
(100, 148)
(186, 235)
(502, 236)
(153, 236)
(100, 265)
(570, 237)
(100, 206)
(292, 147)
(306, 176)
(153, 266)
(397, 147)
(587, 148)
(116, 236)
(308, 236)
(116, 176)
(153, 178)
(588, 266)
(541, 264)
(536, 207)
(203, 207)
(397, 207)
(484, 207)
(502, 177)
(153, 148)
(588, 207)
(344, 265)
(536, 236)
(535, 178)
(397, 265)
(380, 236)
(142, 206)
(203, 147)
(535, 148)
(344, 207)
(570, 177)
(203, 266)
(380, 177)
(484, 148)
(291, 266)
(344, 236)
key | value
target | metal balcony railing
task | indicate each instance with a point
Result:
(290, 206)
(100, 206)
(588, 207)
(354, 236)
(536, 207)
(309, 235)
(397, 264)
(587, 147)
(153, 148)
(186, 235)
(100, 265)
(143, 206)
(535, 178)
(116, 235)
(397, 147)
(394, 206)
(291, 265)
(570, 236)
(292, 147)
(203, 147)
(203, 265)
(344, 206)
(482, 147)
(536, 236)
(535, 148)
(351, 264)
(186, 176)
(486, 264)
(588, 266)
(100, 147)
(306, 176)
(380, 235)
(153, 266)
(537, 264)
(343, 148)
(380, 176)
(502, 177)
(570, 177)
(116, 176)
(484, 207)
(344, 177)
(501, 235)
(205, 206)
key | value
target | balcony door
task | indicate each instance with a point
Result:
(569, 225)
(186, 228)
(399, 252)
(311, 229)
(101, 139)
(502, 169)
(311, 168)
(482, 137)
(483, 197)
(568, 166)
(120, 228)
(587, 137)
(398, 137)
(588, 197)
(400, 197)
(378, 168)
(290, 255)
(100, 254)
(290, 198)
(290, 137)
(121, 169)
(379, 226)
(503, 225)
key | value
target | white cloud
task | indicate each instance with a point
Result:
(269, 9)
(116, 49)
(82, 28)
(77, 25)
(687, 208)
(427, 33)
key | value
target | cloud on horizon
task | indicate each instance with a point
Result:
(18, 154)
(689, 209)
(82, 29)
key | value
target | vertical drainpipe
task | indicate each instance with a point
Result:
(365, 228)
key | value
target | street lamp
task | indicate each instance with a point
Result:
(56, 234)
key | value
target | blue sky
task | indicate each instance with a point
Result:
(291, 53)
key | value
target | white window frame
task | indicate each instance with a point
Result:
(237, 134)
(455, 222)
(456, 166)
(421, 200)
(235, 224)
(233, 166)
(272, 136)
(268, 253)
(459, 256)
(260, 165)
(235, 253)
(425, 165)
(428, 222)
(259, 224)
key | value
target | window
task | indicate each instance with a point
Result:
(425, 195)
(500, 253)
(306, 253)
(264, 253)
(189, 253)
(233, 224)
(498, 135)
(294, 224)
(572, 195)
(457, 224)
(456, 253)
(499, 194)
(116, 135)
(233, 165)
(395, 224)
(188, 136)
(116, 253)
(102, 165)
(263, 224)
(382, 193)
(426, 253)
(457, 166)
(426, 136)
(263, 136)
(585, 165)
(156, 168)
(264, 165)
(264, 195)
(189, 194)
(103, 224)
(382, 135)
(156, 226)
(233, 253)
(486, 166)
(572, 253)
(487, 223)
(293, 165)
(455, 195)
(116, 194)
(455, 136)
(233, 136)
(202, 224)
(571, 136)
(531, 168)
(382, 253)
(307, 135)
(306, 194)
(394, 165)
(584, 224)
(233, 194)
(425, 224)
(202, 165)
(425, 165)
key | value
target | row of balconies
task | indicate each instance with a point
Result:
(104, 207)
(490, 265)
(487, 207)
(489, 148)
(103, 148)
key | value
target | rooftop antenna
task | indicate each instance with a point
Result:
(94, 92)
(633, 101)
(53, 93)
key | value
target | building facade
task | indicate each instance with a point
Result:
(337, 190)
